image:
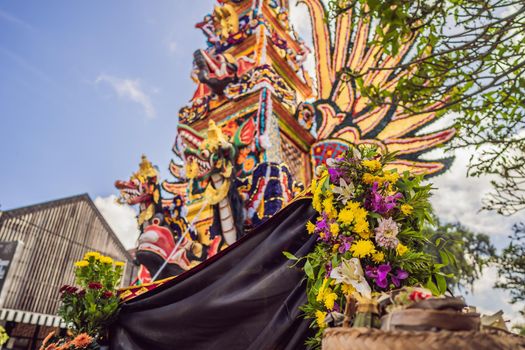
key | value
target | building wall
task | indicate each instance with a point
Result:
(55, 235)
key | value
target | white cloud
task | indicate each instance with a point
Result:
(131, 90)
(459, 198)
(300, 20)
(489, 300)
(121, 218)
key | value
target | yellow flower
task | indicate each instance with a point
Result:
(334, 229)
(347, 289)
(407, 209)
(362, 248)
(346, 216)
(372, 165)
(310, 227)
(329, 209)
(335, 247)
(401, 249)
(320, 316)
(378, 257)
(88, 255)
(352, 206)
(368, 178)
(106, 260)
(362, 229)
(82, 263)
(316, 201)
(119, 264)
(391, 176)
(313, 185)
(322, 289)
(329, 300)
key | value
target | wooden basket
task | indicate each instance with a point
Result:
(374, 339)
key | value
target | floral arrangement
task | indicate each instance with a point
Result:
(370, 237)
(3, 336)
(92, 306)
(81, 341)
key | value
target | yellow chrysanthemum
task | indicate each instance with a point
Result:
(310, 227)
(313, 185)
(106, 260)
(347, 289)
(334, 229)
(362, 248)
(391, 176)
(372, 165)
(401, 249)
(322, 290)
(368, 178)
(316, 202)
(328, 205)
(407, 209)
(361, 228)
(82, 263)
(329, 300)
(320, 317)
(345, 216)
(119, 264)
(352, 206)
(88, 255)
(378, 257)
(335, 247)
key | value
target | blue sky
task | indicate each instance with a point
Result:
(86, 87)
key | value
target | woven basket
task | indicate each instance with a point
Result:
(374, 339)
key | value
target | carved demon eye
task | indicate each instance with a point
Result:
(205, 153)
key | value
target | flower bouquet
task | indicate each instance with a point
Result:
(89, 308)
(370, 237)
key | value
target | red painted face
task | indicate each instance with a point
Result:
(159, 240)
(134, 192)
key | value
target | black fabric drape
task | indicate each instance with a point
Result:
(246, 297)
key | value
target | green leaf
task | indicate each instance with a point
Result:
(290, 256)
(309, 270)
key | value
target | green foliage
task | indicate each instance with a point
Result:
(92, 307)
(463, 253)
(511, 265)
(469, 58)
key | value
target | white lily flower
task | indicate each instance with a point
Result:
(344, 190)
(350, 272)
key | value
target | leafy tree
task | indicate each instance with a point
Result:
(511, 265)
(469, 58)
(464, 253)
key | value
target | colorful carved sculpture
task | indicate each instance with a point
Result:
(161, 226)
(257, 120)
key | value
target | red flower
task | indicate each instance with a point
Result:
(107, 294)
(94, 285)
(81, 293)
(67, 289)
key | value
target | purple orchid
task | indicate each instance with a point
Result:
(335, 175)
(346, 243)
(398, 277)
(322, 228)
(377, 203)
(380, 275)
